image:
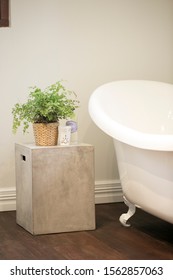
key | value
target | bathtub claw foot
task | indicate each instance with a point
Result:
(126, 216)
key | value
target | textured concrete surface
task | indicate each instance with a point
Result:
(55, 188)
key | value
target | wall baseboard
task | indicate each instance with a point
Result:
(7, 199)
(105, 192)
(108, 192)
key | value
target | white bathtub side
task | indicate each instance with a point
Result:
(139, 115)
(147, 179)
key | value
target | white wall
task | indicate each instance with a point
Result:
(87, 43)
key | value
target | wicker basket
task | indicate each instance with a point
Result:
(46, 134)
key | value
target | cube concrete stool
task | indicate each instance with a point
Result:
(55, 188)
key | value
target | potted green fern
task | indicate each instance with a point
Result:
(44, 109)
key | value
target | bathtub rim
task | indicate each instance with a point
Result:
(120, 132)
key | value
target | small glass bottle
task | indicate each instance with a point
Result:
(74, 129)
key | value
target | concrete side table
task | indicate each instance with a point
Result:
(55, 188)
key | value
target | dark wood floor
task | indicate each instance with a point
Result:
(147, 238)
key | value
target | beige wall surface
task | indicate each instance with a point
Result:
(87, 43)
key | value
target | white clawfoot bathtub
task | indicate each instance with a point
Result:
(138, 115)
